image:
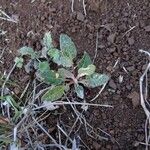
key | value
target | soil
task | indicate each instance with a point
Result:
(123, 27)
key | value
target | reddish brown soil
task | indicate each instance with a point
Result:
(125, 122)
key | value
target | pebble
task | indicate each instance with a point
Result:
(112, 84)
(141, 137)
(128, 87)
(134, 96)
(111, 38)
(73, 30)
(16, 90)
(144, 67)
(131, 68)
(90, 27)
(80, 16)
(96, 145)
(142, 23)
(52, 10)
(147, 28)
(101, 46)
(131, 41)
(111, 50)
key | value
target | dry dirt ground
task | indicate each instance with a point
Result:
(122, 26)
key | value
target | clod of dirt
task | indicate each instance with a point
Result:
(111, 38)
(112, 84)
(147, 28)
(80, 16)
(131, 41)
(134, 96)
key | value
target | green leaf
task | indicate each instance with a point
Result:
(85, 61)
(79, 91)
(54, 93)
(49, 76)
(65, 61)
(27, 51)
(47, 40)
(95, 80)
(19, 62)
(67, 46)
(65, 73)
(15, 106)
(55, 55)
(86, 71)
(59, 58)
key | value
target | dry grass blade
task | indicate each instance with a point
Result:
(100, 91)
(1, 55)
(96, 48)
(84, 7)
(71, 103)
(143, 91)
(72, 5)
(6, 17)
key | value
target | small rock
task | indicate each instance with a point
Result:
(140, 137)
(131, 41)
(90, 27)
(131, 68)
(108, 26)
(134, 96)
(112, 84)
(96, 145)
(120, 79)
(111, 50)
(144, 67)
(52, 10)
(142, 23)
(118, 92)
(104, 116)
(111, 38)
(147, 28)
(16, 90)
(43, 1)
(73, 30)
(126, 14)
(42, 18)
(80, 16)
(101, 46)
(90, 36)
(128, 87)
(108, 147)
(122, 27)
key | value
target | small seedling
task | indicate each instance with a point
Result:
(69, 73)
